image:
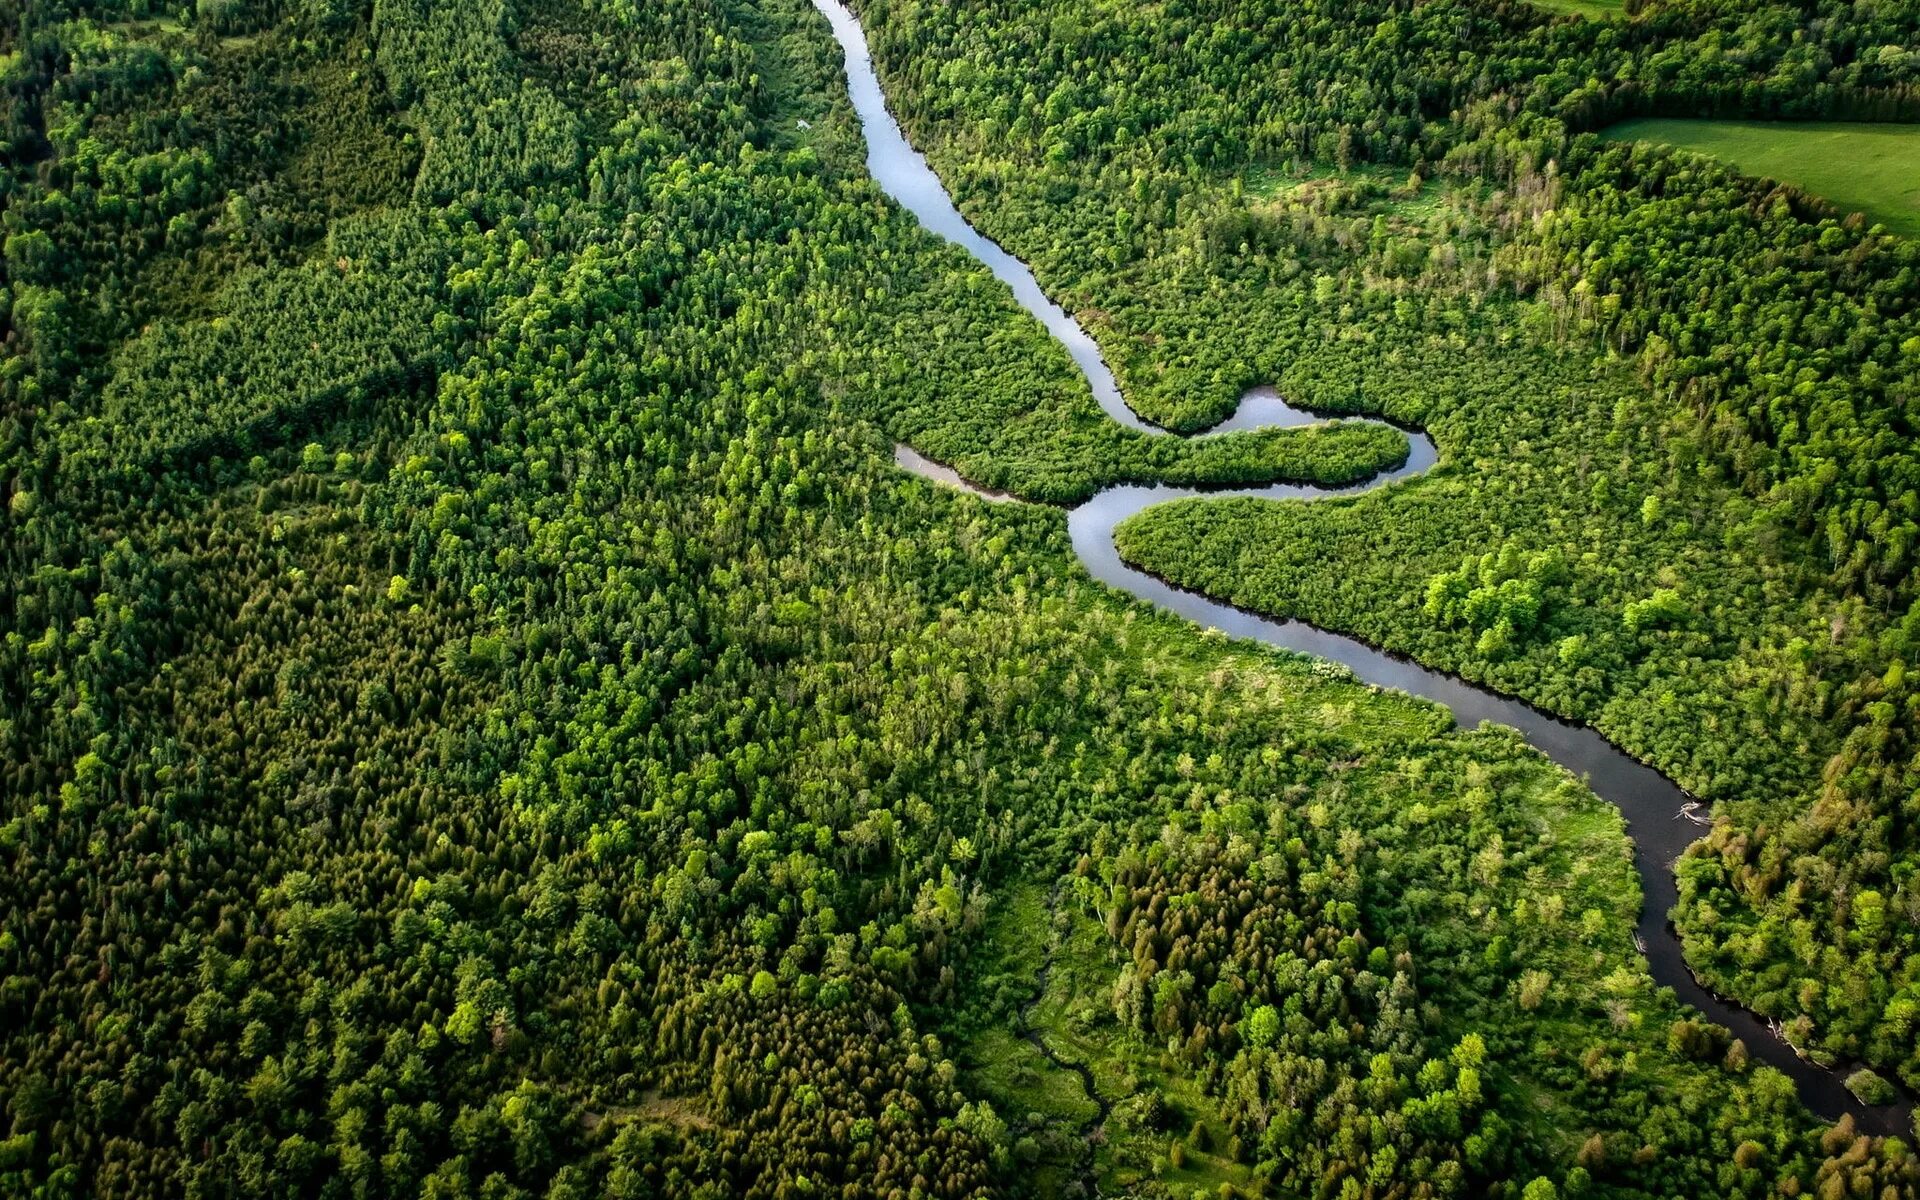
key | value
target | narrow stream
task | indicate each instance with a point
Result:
(1659, 813)
(1089, 1166)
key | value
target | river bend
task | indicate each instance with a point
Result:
(1661, 816)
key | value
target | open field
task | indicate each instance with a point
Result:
(1861, 167)
(1596, 10)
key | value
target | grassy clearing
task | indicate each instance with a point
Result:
(150, 27)
(1364, 189)
(1153, 1103)
(1265, 181)
(1076, 1022)
(1593, 10)
(1861, 167)
(1046, 1108)
(1022, 1085)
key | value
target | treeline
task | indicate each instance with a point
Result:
(1209, 86)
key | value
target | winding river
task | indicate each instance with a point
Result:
(1661, 815)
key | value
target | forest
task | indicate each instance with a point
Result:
(1710, 447)
(484, 716)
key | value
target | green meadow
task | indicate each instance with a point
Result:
(1595, 10)
(1869, 168)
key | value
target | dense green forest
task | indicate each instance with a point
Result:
(483, 717)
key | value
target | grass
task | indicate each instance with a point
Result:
(1046, 1105)
(1593, 10)
(1046, 1109)
(1860, 167)
(1022, 1085)
(1367, 189)
(1264, 181)
(138, 30)
(1075, 1020)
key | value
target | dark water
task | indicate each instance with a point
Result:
(1660, 815)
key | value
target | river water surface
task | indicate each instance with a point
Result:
(1661, 816)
